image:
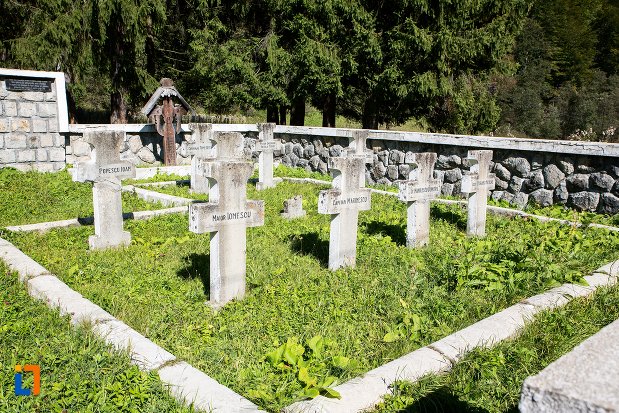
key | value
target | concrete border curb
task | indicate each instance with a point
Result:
(153, 196)
(186, 383)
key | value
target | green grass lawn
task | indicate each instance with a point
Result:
(491, 380)
(78, 371)
(32, 197)
(302, 326)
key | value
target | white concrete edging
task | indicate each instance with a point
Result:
(186, 383)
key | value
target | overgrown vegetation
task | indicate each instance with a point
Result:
(490, 380)
(301, 328)
(46, 197)
(78, 371)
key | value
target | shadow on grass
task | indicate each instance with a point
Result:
(397, 233)
(442, 401)
(455, 218)
(310, 244)
(197, 266)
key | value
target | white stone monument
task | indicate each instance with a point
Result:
(344, 201)
(105, 171)
(200, 147)
(476, 184)
(417, 192)
(266, 145)
(226, 216)
(293, 208)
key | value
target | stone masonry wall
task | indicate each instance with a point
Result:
(583, 182)
(29, 130)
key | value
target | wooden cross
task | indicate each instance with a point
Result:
(343, 203)
(417, 191)
(226, 216)
(476, 184)
(266, 145)
(105, 171)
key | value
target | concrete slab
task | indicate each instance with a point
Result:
(146, 173)
(144, 353)
(144, 215)
(484, 333)
(19, 262)
(189, 385)
(559, 296)
(366, 391)
(584, 380)
(45, 226)
(153, 196)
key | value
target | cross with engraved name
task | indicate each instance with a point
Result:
(105, 171)
(344, 201)
(417, 192)
(266, 145)
(476, 184)
(200, 147)
(226, 216)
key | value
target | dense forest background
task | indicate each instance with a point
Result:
(544, 69)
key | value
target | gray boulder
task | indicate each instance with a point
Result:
(577, 182)
(517, 165)
(609, 204)
(601, 181)
(584, 201)
(542, 197)
(552, 176)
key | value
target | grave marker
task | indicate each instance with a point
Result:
(200, 147)
(344, 201)
(417, 191)
(266, 145)
(105, 171)
(293, 208)
(476, 184)
(226, 216)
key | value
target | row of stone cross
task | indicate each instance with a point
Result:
(221, 167)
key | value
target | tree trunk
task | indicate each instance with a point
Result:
(282, 115)
(297, 112)
(272, 114)
(328, 111)
(369, 118)
(119, 108)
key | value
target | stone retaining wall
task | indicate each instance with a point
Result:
(31, 122)
(581, 175)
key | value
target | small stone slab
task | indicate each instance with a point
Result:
(192, 387)
(19, 262)
(265, 146)
(583, 380)
(201, 147)
(484, 333)
(144, 353)
(293, 208)
(366, 391)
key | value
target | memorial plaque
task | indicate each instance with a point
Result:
(28, 85)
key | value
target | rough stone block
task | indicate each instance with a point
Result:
(5, 125)
(57, 154)
(15, 141)
(584, 201)
(7, 156)
(20, 125)
(27, 155)
(577, 182)
(46, 141)
(553, 176)
(41, 155)
(58, 166)
(144, 353)
(518, 165)
(600, 181)
(26, 109)
(10, 108)
(584, 380)
(32, 96)
(52, 125)
(46, 110)
(39, 125)
(19, 262)
(190, 385)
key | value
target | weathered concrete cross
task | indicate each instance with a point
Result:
(226, 216)
(417, 191)
(344, 201)
(105, 171)
(476, 184)
(266, 145)
(200, 147)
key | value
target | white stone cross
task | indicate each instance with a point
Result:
(105, 170)
(266, 145)
(343, 203)
(417, 191)
(476, 184)
(357, 146)
(200, 147)
(226, 216)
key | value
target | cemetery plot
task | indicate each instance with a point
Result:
(300, 325)
(33, 197)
